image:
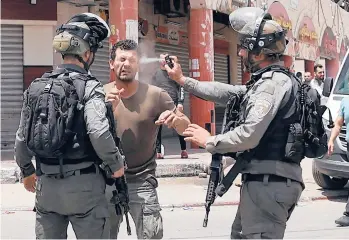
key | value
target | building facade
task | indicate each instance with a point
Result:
(26, 52)
(199, 35)
(316, 32)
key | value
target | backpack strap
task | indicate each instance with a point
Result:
(79, 81)
(55, 73)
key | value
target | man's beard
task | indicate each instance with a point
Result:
(126, 78)
(249, 67)
(320, 78)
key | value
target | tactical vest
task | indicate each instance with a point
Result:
(274, 143)
(79, 148)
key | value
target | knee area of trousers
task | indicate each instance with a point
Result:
(152, 222)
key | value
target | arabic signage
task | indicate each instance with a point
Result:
(306, 31)
(328, 47)
(171, 36)
(344, 48)
(279, 13)
(306, 44)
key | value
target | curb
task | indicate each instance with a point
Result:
(11, 175)
(234, 203)
(187, 206)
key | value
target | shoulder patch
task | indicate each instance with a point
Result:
(261, 108)
(98, 106)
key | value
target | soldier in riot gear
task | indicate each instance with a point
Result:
(272, 178)
(64, 125)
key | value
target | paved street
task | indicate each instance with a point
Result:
(312, 220)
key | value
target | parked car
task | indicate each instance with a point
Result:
(332, 172)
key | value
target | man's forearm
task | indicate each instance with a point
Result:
(212, 91)
(335, 132)
(106, 150)
(23, 158)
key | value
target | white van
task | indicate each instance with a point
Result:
(333, 172)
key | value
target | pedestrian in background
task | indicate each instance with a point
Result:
(343, 118)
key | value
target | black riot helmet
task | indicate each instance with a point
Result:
(81, 33)
(258, 33)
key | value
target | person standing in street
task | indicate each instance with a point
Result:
(307, 77)
(343, 118)
(141, 110)
(272, 182)
(176, 92)
(64, 124)
(318, 82)
(319, 76)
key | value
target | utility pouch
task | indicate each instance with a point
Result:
(294, 150)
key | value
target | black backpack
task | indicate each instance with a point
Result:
(315, 137)
(54, 108)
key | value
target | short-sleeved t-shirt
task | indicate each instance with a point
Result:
(344, 113)
(135, 120)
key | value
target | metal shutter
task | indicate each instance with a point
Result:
(100, 67)
(11, 84)
(221, 74)
(183, 56)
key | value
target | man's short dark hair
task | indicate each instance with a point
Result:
(126, 44)
(317, 66)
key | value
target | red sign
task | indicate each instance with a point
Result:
(344, 48)
(279, 13)
(306, 45)
(171, 36)
(328, 47)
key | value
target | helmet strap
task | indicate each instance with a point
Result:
(86, 65)
(252, 65)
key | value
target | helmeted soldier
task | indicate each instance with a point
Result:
(272, 178)
(71, 187)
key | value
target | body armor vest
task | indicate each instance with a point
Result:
(275, 143)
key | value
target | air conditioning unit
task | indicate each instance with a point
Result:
(171, 8)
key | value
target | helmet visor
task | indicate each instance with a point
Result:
(240, 18)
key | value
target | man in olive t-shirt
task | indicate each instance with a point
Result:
(139, 110)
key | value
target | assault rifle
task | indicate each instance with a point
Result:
(218, 184)
(120, 195)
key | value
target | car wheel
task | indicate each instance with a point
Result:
(327, 182)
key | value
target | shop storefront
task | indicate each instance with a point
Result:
(306, 45)
(26, 53)
(280, 15)
(328, 52)
(11, 82)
